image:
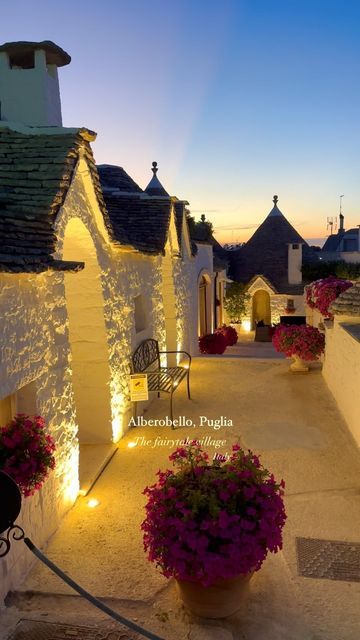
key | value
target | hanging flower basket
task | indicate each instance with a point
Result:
(229, 333)
(212, 343)
(26, 452)
(321, 293)
(211, 524)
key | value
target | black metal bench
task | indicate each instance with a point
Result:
(146, 359)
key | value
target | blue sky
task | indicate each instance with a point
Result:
(236, 100)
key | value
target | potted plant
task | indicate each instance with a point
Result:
(212, 343)
(26, 452)
(229, 333)
(210, 525)
(321, 293)
(302, 342)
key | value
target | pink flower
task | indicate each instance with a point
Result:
(224, 519)
(26, 452)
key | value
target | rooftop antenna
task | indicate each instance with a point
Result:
(331, 224)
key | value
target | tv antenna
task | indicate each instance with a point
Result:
(331, 224)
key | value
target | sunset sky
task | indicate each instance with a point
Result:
(236, 100)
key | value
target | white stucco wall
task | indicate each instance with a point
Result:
(185, 283)
(124, 275)
(203, 265)
(341, 370)
(294, 263)
(35, 346)
(34, 349)
(36, 313)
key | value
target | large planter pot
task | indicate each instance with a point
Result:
(220, 600)
(299, 365)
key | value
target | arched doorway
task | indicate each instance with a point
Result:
(204, 319)
(89, 350)
(261, 310)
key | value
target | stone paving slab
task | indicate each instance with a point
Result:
(35, 630)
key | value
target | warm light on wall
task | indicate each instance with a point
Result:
(118, 409)
(92, 503)
(131, 445)
(71, 473)
(246, 325)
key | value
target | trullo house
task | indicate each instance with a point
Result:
(90, 265)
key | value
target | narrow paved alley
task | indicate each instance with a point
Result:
(293, 422)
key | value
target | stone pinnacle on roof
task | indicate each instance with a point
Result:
(275, 211)
(155, 187)
(348, 302)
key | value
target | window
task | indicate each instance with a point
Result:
(140, 313)
(22, 60)
(295, 246)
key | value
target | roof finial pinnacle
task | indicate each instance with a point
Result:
(154, 168)
(275, 200)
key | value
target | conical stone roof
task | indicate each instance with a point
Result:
(266, 253)
(348, 302)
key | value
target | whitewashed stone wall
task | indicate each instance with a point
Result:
(34, 348)
(341, 369)
(185, 282)
(278, 302)
(203, 265)
(124, 275)
(278, 305)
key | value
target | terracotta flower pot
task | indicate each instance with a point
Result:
(220, 600)
(299, 365)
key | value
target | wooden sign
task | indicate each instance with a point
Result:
(139, 387)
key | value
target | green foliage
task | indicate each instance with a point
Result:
(323, 269)
(235, 301)
(201, 230)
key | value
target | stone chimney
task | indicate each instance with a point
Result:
(294, 263)
(29, 84)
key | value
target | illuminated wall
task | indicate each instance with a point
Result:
(88, 337)
(35, 377)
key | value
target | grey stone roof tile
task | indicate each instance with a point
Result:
(35, 174)
(348, 302)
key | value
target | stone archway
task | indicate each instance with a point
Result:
(261, 310)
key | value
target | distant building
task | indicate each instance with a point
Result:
(343, 245)
(270, 265)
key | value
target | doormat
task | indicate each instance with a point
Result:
(34, 630)
(328, 559)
